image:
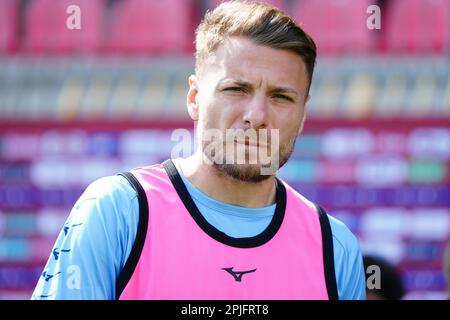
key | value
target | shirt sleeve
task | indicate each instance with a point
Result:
(93, 245)
(349, 268)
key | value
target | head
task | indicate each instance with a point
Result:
(254, 67)
(391, 284)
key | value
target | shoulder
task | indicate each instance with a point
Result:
(341, 233)
(350, 275)
(342, 236)
(112, 187)
(111, 201)
(108, 210)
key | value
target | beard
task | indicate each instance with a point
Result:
(248, 172)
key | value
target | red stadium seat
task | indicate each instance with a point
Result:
(416, 26)
(46, 26)
(8, 25)
(337, 26)
(151, 27)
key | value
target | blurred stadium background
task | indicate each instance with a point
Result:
(76, 105)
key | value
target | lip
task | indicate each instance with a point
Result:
(251, 143)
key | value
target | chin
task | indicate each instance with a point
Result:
(243, 172)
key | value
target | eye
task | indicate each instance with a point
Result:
(283, 97)
(234, 89)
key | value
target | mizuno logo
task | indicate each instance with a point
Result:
(237, 275)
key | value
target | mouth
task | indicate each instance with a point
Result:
(251, 143)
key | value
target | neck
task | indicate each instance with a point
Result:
(227, 189)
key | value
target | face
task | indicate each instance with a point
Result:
(255, 89)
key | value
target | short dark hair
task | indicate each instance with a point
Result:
(391, 281)
(263, 24)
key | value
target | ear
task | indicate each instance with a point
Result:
(300, 129)
(307, 99)
(192, 98)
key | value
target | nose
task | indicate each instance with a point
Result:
(256, 112)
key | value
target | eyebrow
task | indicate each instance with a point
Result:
(282, 90)
(246, 84)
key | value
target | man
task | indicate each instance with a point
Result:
(210, 226)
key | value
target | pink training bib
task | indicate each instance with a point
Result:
(179, 255)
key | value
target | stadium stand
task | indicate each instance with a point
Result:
(9, 11)
(417, 26)
(336, 24)
(151, 27)
(44, 34)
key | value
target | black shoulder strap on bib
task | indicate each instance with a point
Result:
(328, 254)
(138, 245)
